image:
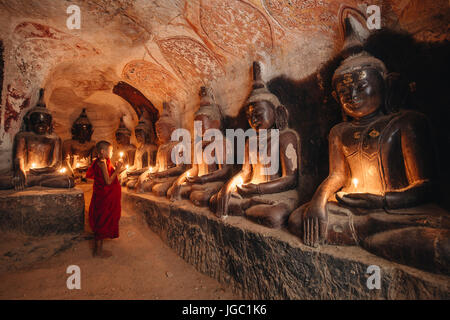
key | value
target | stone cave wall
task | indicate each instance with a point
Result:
(167, 49)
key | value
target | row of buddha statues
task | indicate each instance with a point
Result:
(380, 177)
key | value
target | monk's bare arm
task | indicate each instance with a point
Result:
(108, 179)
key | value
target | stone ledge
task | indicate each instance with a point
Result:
(39, 211)
(262, 263)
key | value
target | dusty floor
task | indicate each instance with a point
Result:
(142, 267)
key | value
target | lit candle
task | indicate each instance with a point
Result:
(33, 165)
(121, 155)
(62, 170)
(126, 167)
(355, 182)
(238, 181)
(77, 165)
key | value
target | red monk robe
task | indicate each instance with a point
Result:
(105, 207)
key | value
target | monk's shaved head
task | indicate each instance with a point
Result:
(102, 145)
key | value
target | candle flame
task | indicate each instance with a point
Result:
(77, 165)
(121, 154)
(355, 182)
(127, 166)
(62, 170)
(33, 165)
(238, 181)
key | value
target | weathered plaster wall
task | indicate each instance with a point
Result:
(168, 48)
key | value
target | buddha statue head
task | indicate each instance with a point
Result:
(82, 128)
(359, 82)
(39, 118)
(123, 134)
(209, 112)
(166, 123)
(143, 131)
(263, 109)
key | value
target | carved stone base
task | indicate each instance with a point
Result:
(39, 211)
(261, 263)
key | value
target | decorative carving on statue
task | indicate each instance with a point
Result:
(79, 151)
(381, 173)
(235, 26)
(256, 192)
(203, 180)
(37, 153)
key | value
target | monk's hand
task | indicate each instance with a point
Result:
(19, 180)
(195, 179)
(247, 189)
(361, 200)
(119, 165)
(315, 221)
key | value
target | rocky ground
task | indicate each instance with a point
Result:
(142, 267)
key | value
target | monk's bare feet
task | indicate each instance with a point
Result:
(104, 254)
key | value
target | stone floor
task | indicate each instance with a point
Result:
(142, 267)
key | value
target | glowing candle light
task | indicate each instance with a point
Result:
(121, 155)
(33, 165)
(77, 165)
(62, 170)
(237, 182)
(126, 167)
(355, 182)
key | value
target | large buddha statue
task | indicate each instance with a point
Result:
(37, 153)
(124, 151)
(159, 179)
(79, 151)
(204, 180)
(145, 156)
(381, 174)
(260, 192)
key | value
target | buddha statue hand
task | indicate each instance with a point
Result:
(248, 189)
(362, 200)
(315, 220)
(19, 180)
(195, 179)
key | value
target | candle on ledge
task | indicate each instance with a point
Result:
(121, 155)
(62, 170)
(33, 165)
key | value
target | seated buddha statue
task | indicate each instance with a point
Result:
(159, 179)
(381, 174)
(37, 153)
(79, 151)
(203, 180)
(259, 192)
(124, 151)
(145, 156)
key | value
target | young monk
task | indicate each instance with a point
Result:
(105, 207)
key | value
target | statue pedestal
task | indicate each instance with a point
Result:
(262, 263)
(40, 211)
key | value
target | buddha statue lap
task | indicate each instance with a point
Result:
(79, 152)
(37, 153)
(159, 179)
(256, 192)
(204, 180)
(381, 174)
